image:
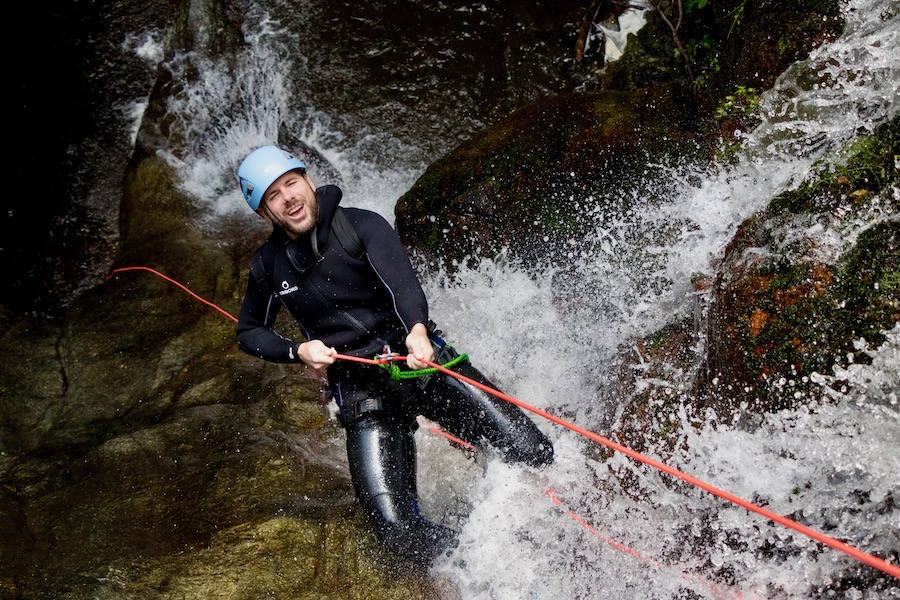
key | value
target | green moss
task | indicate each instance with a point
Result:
(870, 305)
(808, 316)
(866, 165)
(656, 341)
(743, 104)
(891, 280)
(805, 316)
(783, 44)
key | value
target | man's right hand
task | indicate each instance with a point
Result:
(316, 355)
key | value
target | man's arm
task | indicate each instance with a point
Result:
(255, 334)
(388, 256)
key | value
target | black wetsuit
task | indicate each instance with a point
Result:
(359, 306)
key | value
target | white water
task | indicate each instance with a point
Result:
(831, 465)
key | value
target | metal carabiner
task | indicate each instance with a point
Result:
(386, 355)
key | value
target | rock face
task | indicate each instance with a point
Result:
(783, 307)
(511, 186)
(777, 319)
(142, 455)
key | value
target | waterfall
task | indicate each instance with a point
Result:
(836, 465)
(515, 546)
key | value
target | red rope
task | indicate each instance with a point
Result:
(873, 561)
(714, 587)
(173, 282)
(453, 439)
(859, 555)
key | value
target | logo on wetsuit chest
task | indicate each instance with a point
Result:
(287, 288)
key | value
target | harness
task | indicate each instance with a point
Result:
(444, 354)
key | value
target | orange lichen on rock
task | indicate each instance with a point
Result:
(758, 320)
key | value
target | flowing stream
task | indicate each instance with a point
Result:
(837, 466)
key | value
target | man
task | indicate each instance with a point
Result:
(345, 276)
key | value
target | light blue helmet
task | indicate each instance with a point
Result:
(261, 167)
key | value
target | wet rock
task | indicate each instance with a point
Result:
(786, 308)
(780, 307)
(540, 177)
(142, 455)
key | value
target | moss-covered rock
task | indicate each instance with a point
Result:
(530, 182)
(786, 307)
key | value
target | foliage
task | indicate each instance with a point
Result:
(737, 15)
(737, 111)
(701, 52)
(743, 104)
(697, 52)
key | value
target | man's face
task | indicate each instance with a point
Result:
(290, 202)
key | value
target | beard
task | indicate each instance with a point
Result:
(297, 229)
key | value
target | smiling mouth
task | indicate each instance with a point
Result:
(293, 211)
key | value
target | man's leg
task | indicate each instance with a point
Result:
(478, 418)
(382, 457)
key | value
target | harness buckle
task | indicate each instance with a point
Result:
(366, 405)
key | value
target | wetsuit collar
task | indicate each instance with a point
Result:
(306, 250)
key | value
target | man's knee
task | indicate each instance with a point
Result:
(533, 450)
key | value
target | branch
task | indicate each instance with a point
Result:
(674, 28)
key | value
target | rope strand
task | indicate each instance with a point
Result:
(873, 561)
(173, 282)
(870, 560)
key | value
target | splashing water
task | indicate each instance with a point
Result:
(836, 465)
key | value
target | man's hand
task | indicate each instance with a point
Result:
(418, 348)
(316, 355)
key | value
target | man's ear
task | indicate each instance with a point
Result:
(264, 213)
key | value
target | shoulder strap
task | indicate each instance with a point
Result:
(345, 233)
(262, 265)
(263, 261)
